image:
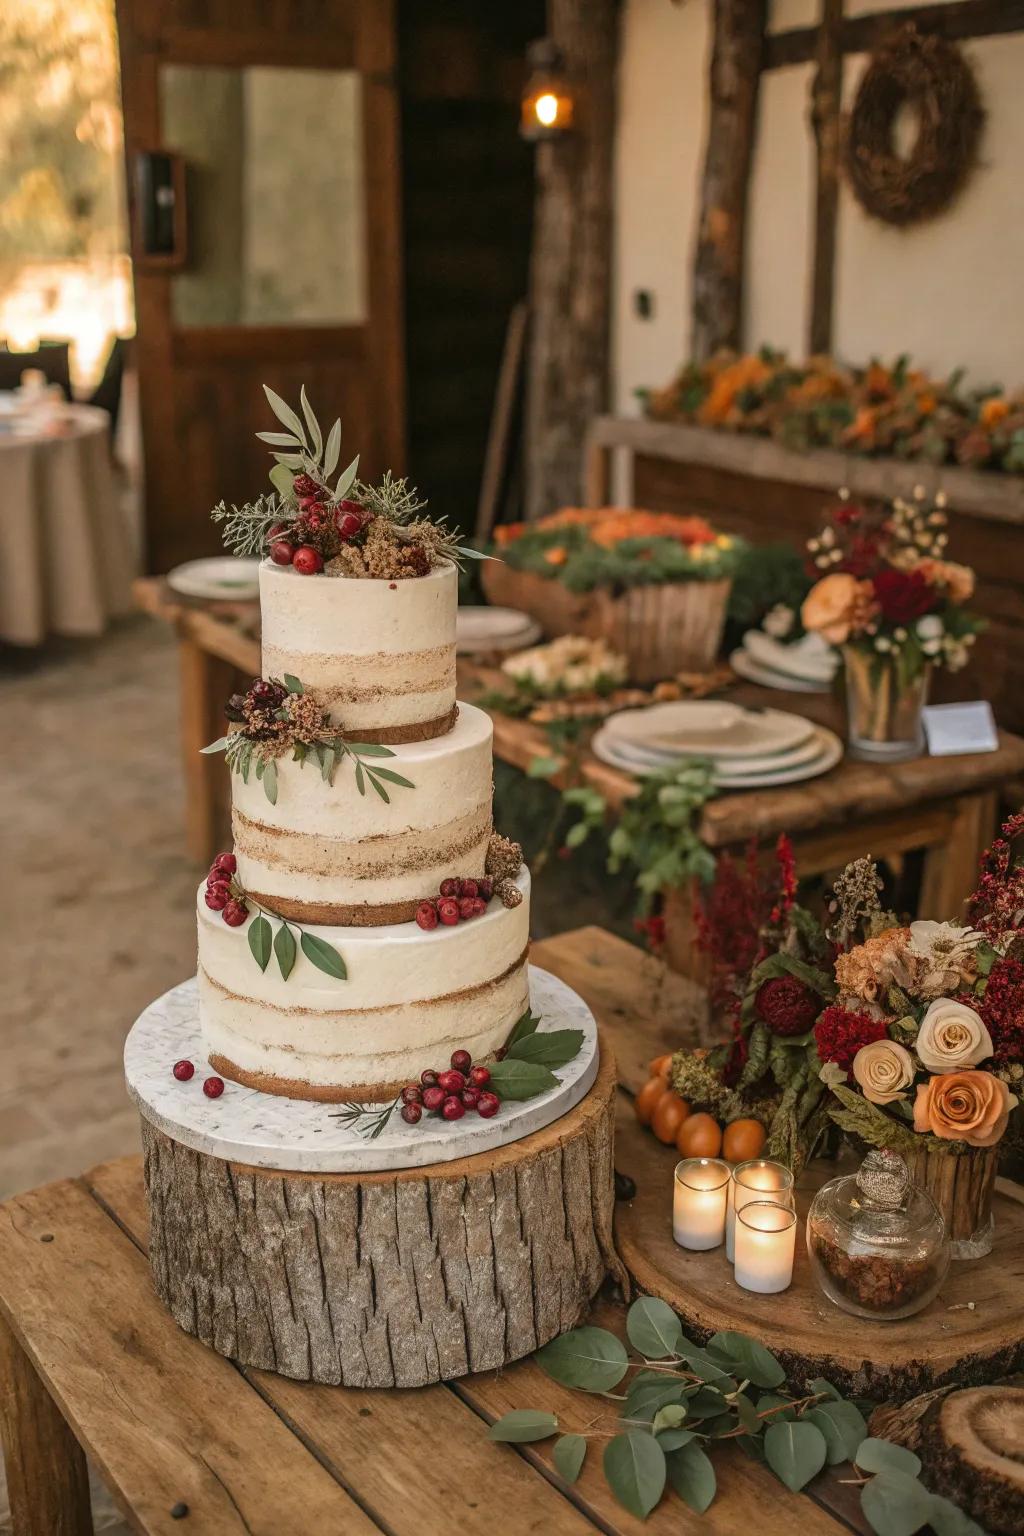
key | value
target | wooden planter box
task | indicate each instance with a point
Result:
(663, 629)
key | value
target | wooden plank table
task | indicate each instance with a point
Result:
(944, 806)
(91, 1363)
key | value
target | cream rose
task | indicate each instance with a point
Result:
(830, 605)
(952, 1036)
(884, 1070)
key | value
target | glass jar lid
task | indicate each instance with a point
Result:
(879, 1208)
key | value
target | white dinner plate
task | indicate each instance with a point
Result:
(732, 731)
(644, 757)
(491, 625)
(223, 578)
(808, 658)
(744, 665)
(828, 750)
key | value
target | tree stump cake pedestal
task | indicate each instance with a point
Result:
(973, 1332)
(388, 1275)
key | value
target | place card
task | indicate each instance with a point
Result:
(955, 728)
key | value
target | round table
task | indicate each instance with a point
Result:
(66, 555)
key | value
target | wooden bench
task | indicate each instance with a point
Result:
(92, 1364)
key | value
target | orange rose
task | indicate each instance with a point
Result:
(964, 1106)
(993, 410)
(831, 606)
(957, 579)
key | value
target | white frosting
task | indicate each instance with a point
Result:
(410, 999)
(327, 843)
(376, 653)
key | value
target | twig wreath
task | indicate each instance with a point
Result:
(932, 77)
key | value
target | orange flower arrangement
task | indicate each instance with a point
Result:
(964, 1106)
(617, 524)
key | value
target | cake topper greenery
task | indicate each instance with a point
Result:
(276, 716)
(341, 527)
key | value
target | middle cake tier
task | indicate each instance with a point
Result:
(324, 853)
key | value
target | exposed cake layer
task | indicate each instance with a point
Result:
(380, 655)
(410, 999)
(327, 854)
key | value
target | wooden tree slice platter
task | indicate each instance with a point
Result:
(950, 1341)
(388, 1279)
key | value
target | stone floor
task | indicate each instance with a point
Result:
(96, 898)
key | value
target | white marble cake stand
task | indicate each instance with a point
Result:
(298, 1135)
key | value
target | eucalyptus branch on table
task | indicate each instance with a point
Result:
(683, 1398)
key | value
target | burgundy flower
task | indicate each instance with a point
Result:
(839, 1034)
(786, 1005)
(1002, 1009)
(903, 596)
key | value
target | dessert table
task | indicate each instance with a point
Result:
(91, 1363)
(66, 556)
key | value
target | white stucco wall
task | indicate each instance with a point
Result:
(947, 291)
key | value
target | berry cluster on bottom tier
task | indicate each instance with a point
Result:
(450, 1094)
(223, 893)
(458, 899)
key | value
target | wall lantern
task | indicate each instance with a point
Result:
(547, 102)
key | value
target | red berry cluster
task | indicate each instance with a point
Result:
(457, 899)
(319, 530)
(213, 1087)
(449, 1094)
(223, 893)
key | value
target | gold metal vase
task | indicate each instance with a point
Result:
(883, 713)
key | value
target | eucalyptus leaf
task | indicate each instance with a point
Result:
(292, 683)
(524, 1425)
(820, 1385)
(525, 1025)
(260, 940)
(747, 1358)
(289, 460)
(284, 413)
(747, 1414)
(843, 1426)
(707, 1403)
(672, 1416)
(378, 786)
(369, 749)
(284, 949)
(360, 779)
(653, 1328)
(673, 1439)
(323, 955)
(568, 1455)
(707, 1369)
(347, 479)
(634, 1465)
(513, 1079)
(692, 1476)
(894, 1504)
(591, 1359)
(270, 781)
(779, 1407)
(650, 1397)
(947, 1519)
(393, 777)
(795, 1451)
(216, 746)
(282, 479)
(555, 1048)
(315, 435)
(279, 439)
(332, 450)
(883, 1456)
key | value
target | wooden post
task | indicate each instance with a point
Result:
(570, 273)
(47, 1480)
(718, 268)
(826, 95)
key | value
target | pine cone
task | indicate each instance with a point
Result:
(508, 892)
(504, 857)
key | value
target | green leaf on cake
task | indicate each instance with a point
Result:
(347, 479)
(393, 777)
(553, 1049)
(284, 413)
(279, 439)
(315, 435)
(284, 949)
(360, 779)
(369, 749)
(260, 940)
(323, 955)
(512, 1079)
(270, 780)
(282, 479)
(525, 1025)
(379, 787)
(332, 450)
(216, 746)
(292, 683)
(290, 460)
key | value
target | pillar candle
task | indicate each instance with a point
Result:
(698, 1210)
(765, 1243)
(750, 1180)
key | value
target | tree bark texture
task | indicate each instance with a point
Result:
(826, 94)
(389, 1279)
(570, 272)
(735, 71)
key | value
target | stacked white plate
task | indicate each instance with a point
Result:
(806, 666)
(750, 748)
(222, 578)
(494, 629)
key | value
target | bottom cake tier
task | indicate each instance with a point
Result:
(409, 999)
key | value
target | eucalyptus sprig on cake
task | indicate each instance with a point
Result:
(226, 894)
(342, 527)
(276, 716)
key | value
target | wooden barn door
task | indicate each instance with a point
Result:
(284, 115)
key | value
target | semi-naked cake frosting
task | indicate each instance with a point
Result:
(351, 869)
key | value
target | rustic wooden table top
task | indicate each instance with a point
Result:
(850, 792)
(169, 1422)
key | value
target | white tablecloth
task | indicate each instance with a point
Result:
(66, 556)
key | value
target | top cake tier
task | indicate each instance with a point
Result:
(379, 655)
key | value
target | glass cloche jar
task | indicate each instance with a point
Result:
(877, 1241)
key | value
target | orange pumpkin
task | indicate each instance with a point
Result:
(699, 1136)
(670, 1113)
(743, 1139)
(646, 1100)
(661, 1066)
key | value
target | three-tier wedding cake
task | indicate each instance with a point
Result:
(368, 920)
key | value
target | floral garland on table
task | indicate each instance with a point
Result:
(345, 528)
(276, 716)
(886, 588)
(619, 547)
(875, 409)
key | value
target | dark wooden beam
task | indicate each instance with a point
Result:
(826, 98)
(736, 52)
(957, 22)
(570, 269)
